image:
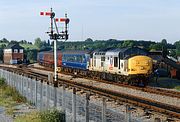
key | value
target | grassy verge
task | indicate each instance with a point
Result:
(52, 115)
(9, 97)
(165, 82)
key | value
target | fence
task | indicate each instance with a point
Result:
(77, 108)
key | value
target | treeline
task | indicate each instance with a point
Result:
(172, 49)
(31, 49)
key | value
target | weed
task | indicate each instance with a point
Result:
(52, 115)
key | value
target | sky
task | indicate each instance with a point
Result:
(97, 19)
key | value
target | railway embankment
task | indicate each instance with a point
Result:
(12, 104)
(15, 108)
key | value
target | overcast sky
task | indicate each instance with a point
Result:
(97, 19)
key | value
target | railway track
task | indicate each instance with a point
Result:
(148, 89)
(169, 110)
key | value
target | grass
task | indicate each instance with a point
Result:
(177, 88)
(52, 115)
(30, 117)
(9, 97)
(166, 82)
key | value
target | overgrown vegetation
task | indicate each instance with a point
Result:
(8, 91)
(165, 82)
(9, 97)
(177, 88)
(52, 115)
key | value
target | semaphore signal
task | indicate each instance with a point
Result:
(64, 33)
(55, 35)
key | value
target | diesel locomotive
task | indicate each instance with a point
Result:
(130, 65)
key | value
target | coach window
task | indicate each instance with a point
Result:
(115, 61)
(95, 61)
(102, 58)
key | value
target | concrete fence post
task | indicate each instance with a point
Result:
(47, 95)
(63, 99)
(87, 107)
(18, 83)
(74, 105)
(10, 78)
(14, 77)
(128, 119)
(36, 82)
(13, 81)
(55, 96)
(31, 89)
(14, 85)
(26, 81)
(22, 84)
(104, 109)
(41, 95)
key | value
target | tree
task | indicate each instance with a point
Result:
(1, 54)
(38, 42)
(2, 46)
(14, 42)
(4, 40)
(48, 43)
(156, 47)
(164, 42)
(128, 43)
(31, 55)
(177, 44)
(88, 40)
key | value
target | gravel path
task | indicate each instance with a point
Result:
(4, 117)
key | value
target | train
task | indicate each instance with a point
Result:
(130, 65)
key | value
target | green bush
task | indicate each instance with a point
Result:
(52, 115)
(2, 82)
(177, 88)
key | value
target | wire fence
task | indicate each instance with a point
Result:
(77, 108)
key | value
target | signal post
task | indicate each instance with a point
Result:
(55, 35)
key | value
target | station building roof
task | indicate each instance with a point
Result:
(14, 46)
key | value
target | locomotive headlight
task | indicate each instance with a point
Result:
(141, 68)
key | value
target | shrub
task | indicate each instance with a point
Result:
(2, 82)
(52, 115)
(177, 88)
